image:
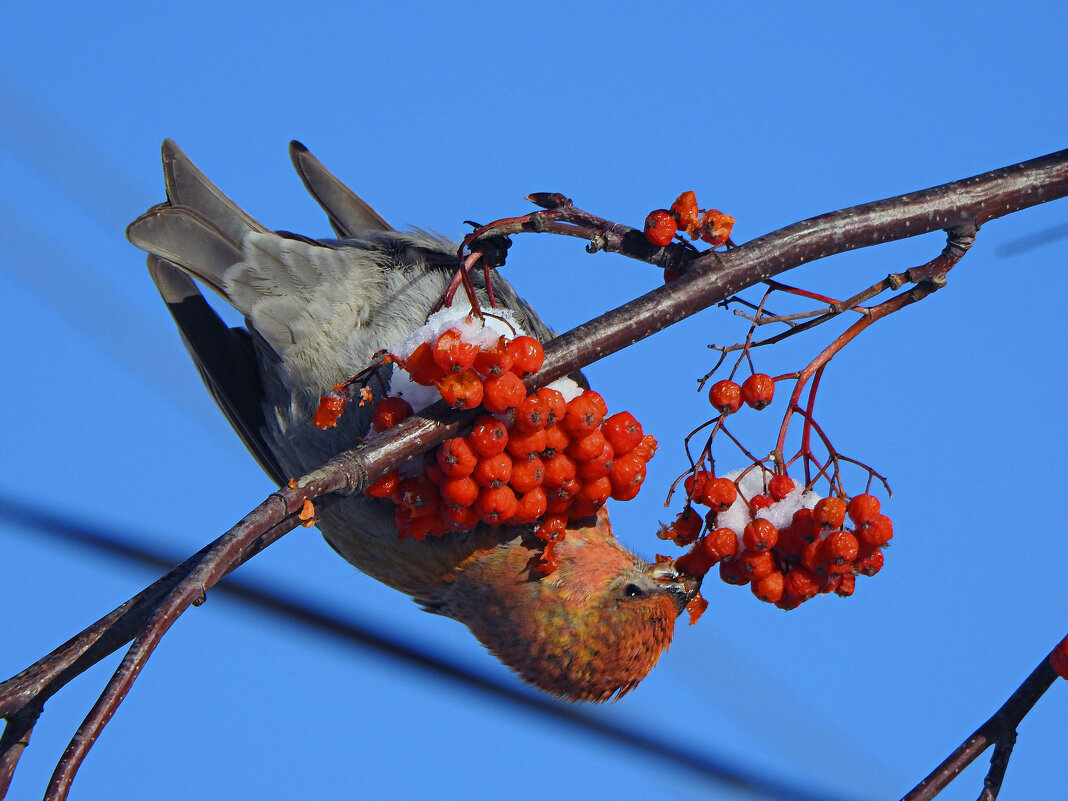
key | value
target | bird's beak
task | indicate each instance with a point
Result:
(682, 587)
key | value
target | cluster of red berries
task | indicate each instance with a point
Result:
(815, 553)
(712, 226)
(543, 458)
(756, 392)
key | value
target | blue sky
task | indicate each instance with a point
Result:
(435, 116)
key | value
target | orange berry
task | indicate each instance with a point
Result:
(1058, 658)
(715, 227)
(494, 360)
(646, 449)
(418, 495)
(731, 572)
(684, 529)
(526, 474)
(623, 432)
(721, 543)
(431, 468)
(694, 562)
(801, 583)
(863, 508)
(719, 494)
(760, 535)
(493, 471)
(451, 353)
(587, 447)
(521, 445)
(695, 484)
(660, 227)
(758, 391)
(527, 355)
(804, 525)
(531, 505)
(598, 402)
(846, 585)
(462, 491)
(556, 439)
(779, 486)
(685, 210)
(496, 505)
(696, 607)
(329, 410)
(531, 414)
(595, 492)
(422, 367)
(460, 518)
(841, 548)
(600, 465)
(756, 564)
(383, 487)
(580, 417)
(503, 392)
(758, 502)
(555, 400)
(388, 412)
(769, 588)
(462, 390)
(829, 512)
(456, 457)
(878, 532)
(488, 436)
(558, 469)
(870, 563)
(725, 397)
(627, 473)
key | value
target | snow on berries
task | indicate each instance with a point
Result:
(767, 531)
(539, 459)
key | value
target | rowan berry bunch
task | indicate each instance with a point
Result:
(767, 531)
(542, 458)
(684, 217)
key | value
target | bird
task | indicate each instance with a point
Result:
(315, 313)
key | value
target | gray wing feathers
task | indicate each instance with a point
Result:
(349, 214)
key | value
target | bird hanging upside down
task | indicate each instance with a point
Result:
(315, 314)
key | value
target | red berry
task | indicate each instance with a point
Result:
(581, 417)
(503, 392)
(456, 457)
(587, 447)
(1058, 658)
(493, 471)
(595, 492)
(531, 506)
(451, 353)
(527, 355)
(488, 436)
(846, 585)
(719, 494)
(623, 432)
(863, 508)
(558, 469)
(829, 512)
(627, 473)
(418, 495)
(329, 410)
(493, 360)
(769, 588)
(522, 445)
(660, 227)
(801, 583)
(731, 572)
(760, 535)
(841, 548)
(758, 390)
(496, 505)
(556, 439)
(871, 563)
(555, 401)
(721, 543)
(461, 491)
(685, 210)
(531, 414)
(598, 402)
(756, 564)
(526, 474)
(695, 484)
(779, 486)
(383, 487)
(758, 502)
(646, 449)
(462, 390)
(422, 367)
(684, 529)
(600, 465)
(694, 562)
(878, 532)
(725, 397)
(388, 412)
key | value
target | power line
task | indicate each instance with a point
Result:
(344, 628)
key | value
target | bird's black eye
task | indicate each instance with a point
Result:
(633, 591)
